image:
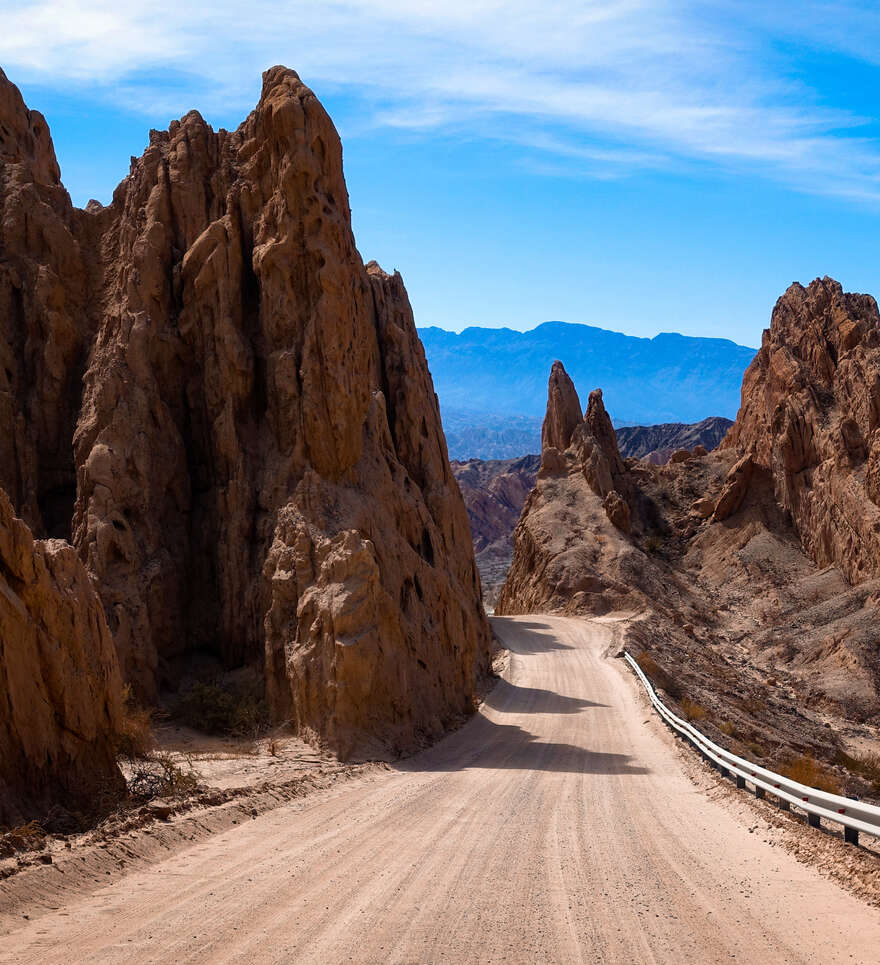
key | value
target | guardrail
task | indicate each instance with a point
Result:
(852, 814)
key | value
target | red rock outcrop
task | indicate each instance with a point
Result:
(810, 414)
(59, 679)
(736, 486)
(260, 468)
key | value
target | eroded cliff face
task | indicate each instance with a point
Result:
(260, 468)
(45, 320)
(59, 679)
(810, 414)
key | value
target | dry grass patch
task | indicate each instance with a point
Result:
(134, 739)
(25, 837)
(692, 710)
(808, 771)
(657, 675)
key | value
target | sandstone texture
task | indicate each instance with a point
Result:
(59, 679)
(810, 414)
(231, 417)
(563, 410)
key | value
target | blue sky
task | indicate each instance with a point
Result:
(640, 165)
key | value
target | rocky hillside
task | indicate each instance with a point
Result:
(231, 418)
(657, 444)
(494, 493)
(752, 569)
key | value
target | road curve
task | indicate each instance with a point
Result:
(554, 827)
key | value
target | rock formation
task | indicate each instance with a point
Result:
(45, 320)
(495, 490)
(563, 410)
(59, 679)
(571, 550)
(237, 416)
(811, 413)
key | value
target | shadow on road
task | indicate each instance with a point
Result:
(513, 699)
(484, 744)
(542, 638)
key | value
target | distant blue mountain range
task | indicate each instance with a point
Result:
(668, 378)
(485, 374)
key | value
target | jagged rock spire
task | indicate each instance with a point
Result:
(563, 410)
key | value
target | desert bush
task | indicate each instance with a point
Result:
(216, 709)
(692, 710)
(807, 770)
(865, 765)
(658, 676)
(25, 837)
(727, 728)
(159, 775)
(754, 747)
(134, 739)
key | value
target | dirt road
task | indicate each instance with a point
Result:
(557, 826)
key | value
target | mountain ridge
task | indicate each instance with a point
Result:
(668, 378)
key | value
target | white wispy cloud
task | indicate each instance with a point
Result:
(597, 85)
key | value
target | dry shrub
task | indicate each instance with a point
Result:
(808, 771)
(754, 747)
(159, 775)
(657, 675)
(865, 765)
(216, 709)
(692, 710)
(727, 728)
(135, 739)
(25, 837)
